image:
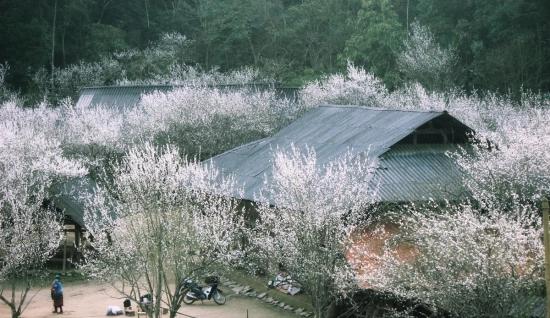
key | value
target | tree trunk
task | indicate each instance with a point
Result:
(53, 44)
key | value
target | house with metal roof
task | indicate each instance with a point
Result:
(117, 96)
(122, 97)
(408, 146)
(68, 198)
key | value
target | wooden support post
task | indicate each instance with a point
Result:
(65, 250)
(77, 235)
(546, 252)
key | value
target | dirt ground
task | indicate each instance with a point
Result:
(86, 299)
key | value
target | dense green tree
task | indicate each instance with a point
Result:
(516, 54)
(25, 36)
(406, 11)
(376, 39)
(501, 44)
(318, 31)
(103, 39)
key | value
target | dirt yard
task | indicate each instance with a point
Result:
(85, 299)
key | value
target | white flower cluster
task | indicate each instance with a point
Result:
(424, 61)
(483, 254)
(459, 260)
(165, 226)
(355, 88)
(316, 209)
(31, 161)
(161, 194)
(67, 82)
(5, 93)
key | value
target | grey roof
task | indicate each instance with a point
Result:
(407, 172)
(117, 96)
(419, 172)
(128, 96)
(67, 197)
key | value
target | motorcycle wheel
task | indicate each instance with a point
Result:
(187, 300)
(219, 298)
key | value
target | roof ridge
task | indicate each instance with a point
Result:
(131, 86)
(237, 148)
(385, 109)
(182, 85)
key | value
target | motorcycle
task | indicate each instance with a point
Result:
(196, 291)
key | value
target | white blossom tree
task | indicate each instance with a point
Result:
(166, 61)
(210, 120)
(510, 167)
(459, 261)
(506, 174)
(307, 216)
(30, 231)
(96, 135)
(5, 93)
(424, 61)
(516, 130)
(170, 221)
(356, 87)
(201, 119)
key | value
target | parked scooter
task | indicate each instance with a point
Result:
(197, 293)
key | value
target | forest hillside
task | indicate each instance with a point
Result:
(490, 45)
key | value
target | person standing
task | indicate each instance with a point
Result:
(57, 295)
(52, 289)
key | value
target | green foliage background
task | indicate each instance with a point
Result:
(501, 45)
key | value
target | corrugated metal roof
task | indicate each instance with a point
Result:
(419, 172)
(67, 197)
(412, 172)
(128, 96)
(117, 96)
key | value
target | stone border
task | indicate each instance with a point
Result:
(248, 291)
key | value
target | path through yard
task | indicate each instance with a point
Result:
(84, 299)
